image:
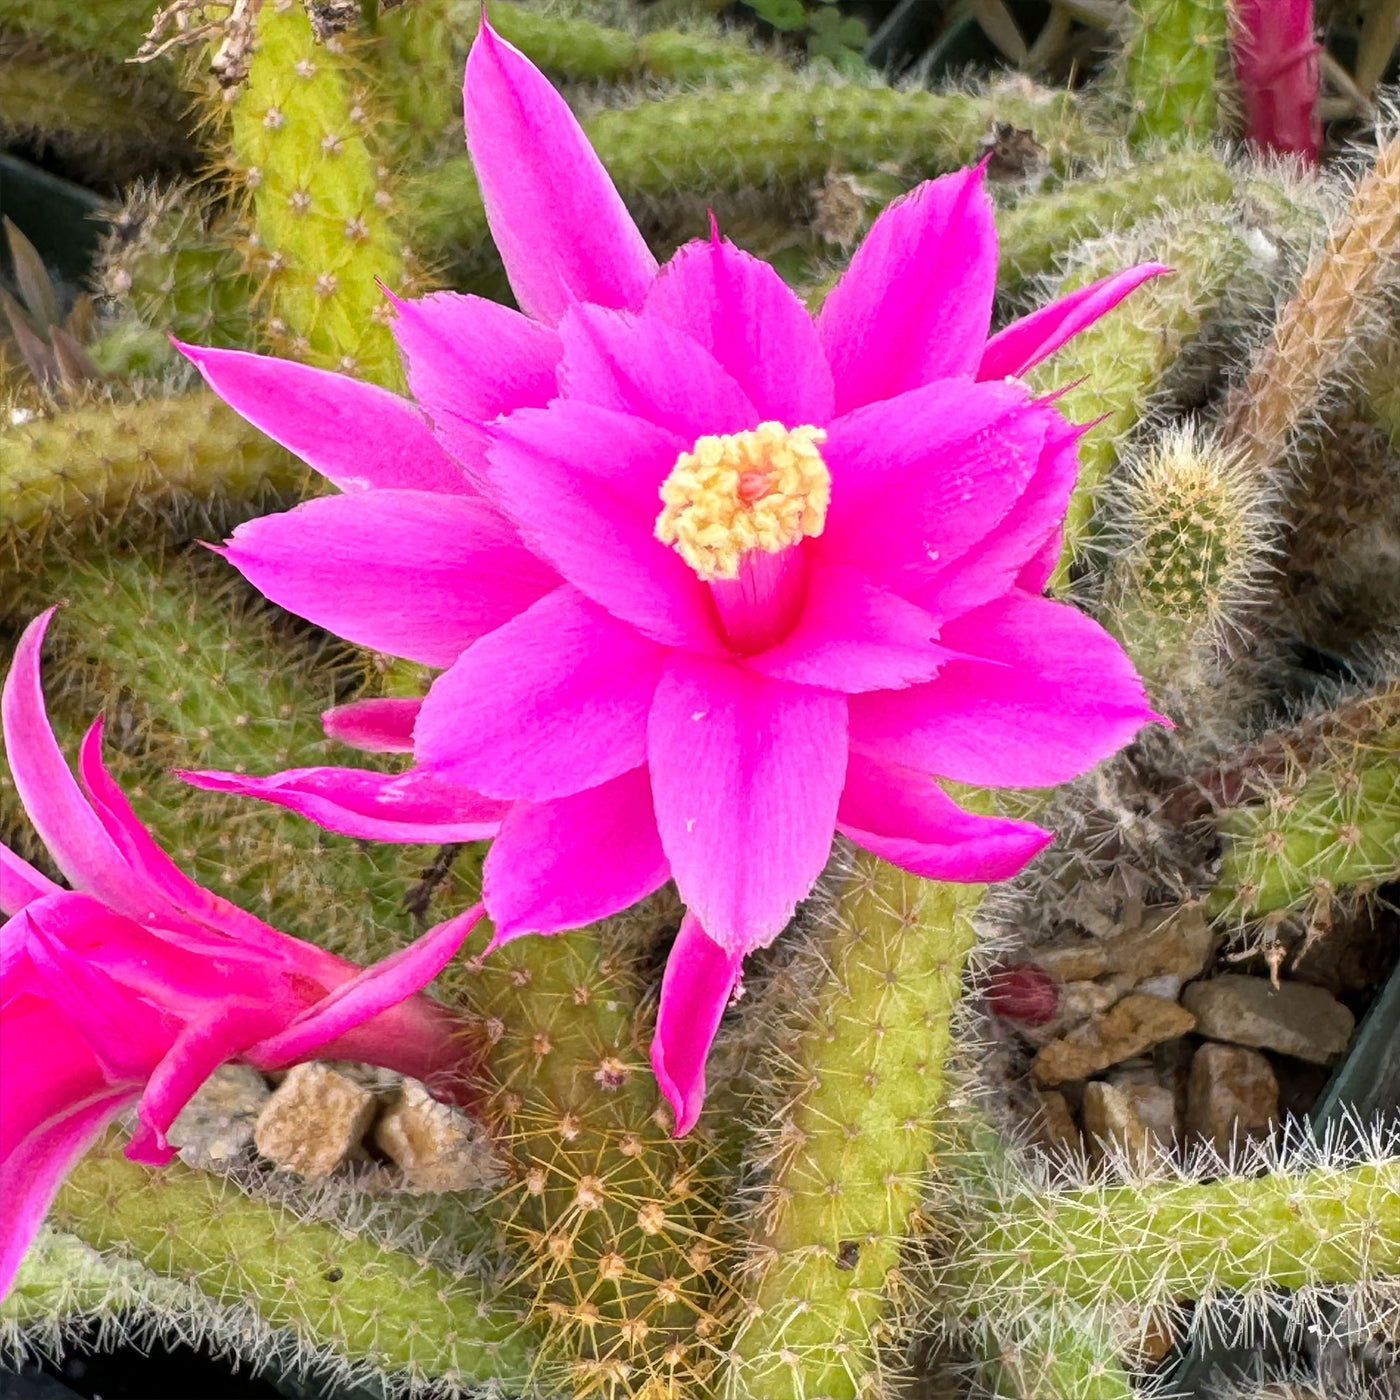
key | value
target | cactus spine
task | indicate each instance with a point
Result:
(613, 1222)
(1174, 48)
(346, 1297)
(320, 209)
(1113, 367)
(89, 467)
(847, 1156)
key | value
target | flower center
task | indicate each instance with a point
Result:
(760, 490)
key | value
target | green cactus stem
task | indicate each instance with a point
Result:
(1173, 51)
(170, 258)
(1152, 1243)
(114, 29)
(1330, 820)
(1115, 367)
(1037, 229)
(1067, 1356)
(848, 1149)
(112, 122)
(346, 1298)
(613, 1221)
(726, 142)
(107, 466)
(300, 146)
(1189, 547)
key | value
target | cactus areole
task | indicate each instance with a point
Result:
(708, 579)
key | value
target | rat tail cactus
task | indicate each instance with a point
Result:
(749, 650)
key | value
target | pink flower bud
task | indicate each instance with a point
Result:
(1023, 992)
(1276, 64)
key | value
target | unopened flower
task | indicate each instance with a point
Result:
(710, 580)
(132, 987)
(1276, 65)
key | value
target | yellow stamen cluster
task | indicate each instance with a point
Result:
(763, 489)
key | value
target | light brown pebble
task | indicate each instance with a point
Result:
(314, 1121)
(438, 1147)
(1120, 1033)
(1232, 1093)
(1293, 1018)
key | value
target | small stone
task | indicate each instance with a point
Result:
(1155, 1106)
(216, 1125)
(1120, 1033)
(1232, 1093)
(314, 1121)
(1166, 984)
(1112, 1125)
(1081, 1000)
(438, 1147)
(1053, 1124)
(1294, 1019)
(1177, 942)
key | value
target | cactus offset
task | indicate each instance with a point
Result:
(1174, 49)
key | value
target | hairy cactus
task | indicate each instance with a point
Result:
(299, 146)
(343, 1304)
(169, 258)
(1174, 48)
(844, 1149)
(614, 1224)
(105, 466)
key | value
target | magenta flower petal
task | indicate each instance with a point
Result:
(356, 435)
(374, 726)
(225, 1029)
(20, 883)
(32, 1169)
(411, 573)
(584, 481)
(1023, 544)
(405, 807)
(853, 636)
(915, 484)
(76, 838)
(905, 818)
(700, 977)
(369, 993)
(747, 773)
(640, 366)
(1055, 696)
(468, 360)
(1027, 342)
(752, 322)
(543, 872)
(551, 703)
(916, 301)
(561, 227)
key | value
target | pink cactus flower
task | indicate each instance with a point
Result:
(132, 987)
(709, 579)
(1275, 56)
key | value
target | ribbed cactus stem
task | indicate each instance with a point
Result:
(1330, 820)
(848, 1152)
(170, 258)
(97, 466)
(299, 134)
(1160, 1242)
(339, 1293)
(1173, 51)
(1034, 231)
(113, 29)
(574, 48)
(1338, 296)
(1067, 1355)
(724, 142)
(1114, 367)
(612, 1220)
(114, 121)
(1192, 527)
